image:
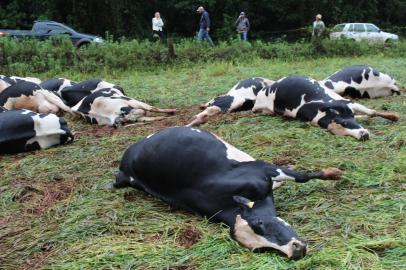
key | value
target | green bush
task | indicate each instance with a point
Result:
(25, 57)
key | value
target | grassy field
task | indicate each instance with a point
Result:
(56, 214)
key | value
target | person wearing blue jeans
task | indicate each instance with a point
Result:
(204, 26)
(243, 26)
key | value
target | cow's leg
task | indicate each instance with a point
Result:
(361, 109)
(285, 174)
(55, 100)
(122, 181)
(150, 119)
(141, 105)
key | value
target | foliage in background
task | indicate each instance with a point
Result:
(133, 18)
(31, 56)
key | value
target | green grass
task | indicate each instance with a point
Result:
(56, 214)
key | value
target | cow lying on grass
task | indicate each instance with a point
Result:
(110, 107)
(30, 96)
(75, 93)
(361, 82)
(307, 100)
(23, 130)
(197, 171)
(240, 98)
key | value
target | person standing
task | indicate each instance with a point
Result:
(243, 26)
(157, 25)
(204, 26)
(318, 27)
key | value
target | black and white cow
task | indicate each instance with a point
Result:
(240, 98)
(56, 85)
(6, 81)
(305, 99)
(110, 107)
(211, 178)
(361, 82)
(24, 130)
(75, 93)
(30, 96)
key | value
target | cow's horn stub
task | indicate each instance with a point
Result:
(250, 204)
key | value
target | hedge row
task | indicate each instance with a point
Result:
(24, 57)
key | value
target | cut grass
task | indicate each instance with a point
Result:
(57, 214)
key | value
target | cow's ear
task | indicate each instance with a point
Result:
(243, 202)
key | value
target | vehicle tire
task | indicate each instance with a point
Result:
(389, 41)
(83, 45)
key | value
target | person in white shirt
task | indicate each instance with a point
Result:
(318, 27)
(157, 25)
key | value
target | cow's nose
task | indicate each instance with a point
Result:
(299, 250)
(364, 135)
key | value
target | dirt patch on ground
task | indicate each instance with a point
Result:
(182, 117)
(95, 131)
(130, 196)
(283, 161)
(36, 261)
(188, 236)
(40, 197)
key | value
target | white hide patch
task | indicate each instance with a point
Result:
(319, 115)
(282, 176)
(195, 129)
(66, 83)
(283, 222)
(265, 104)
(248, 92)
(47, 131)
(234, 153)
(102, 85)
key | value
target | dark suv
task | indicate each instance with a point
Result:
(45, 29)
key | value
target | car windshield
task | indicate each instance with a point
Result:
(338, 28)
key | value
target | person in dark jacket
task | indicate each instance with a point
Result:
(243, 26)
(204, 26)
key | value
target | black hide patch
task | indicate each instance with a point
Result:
(20, 88)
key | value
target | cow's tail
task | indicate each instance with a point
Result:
(57, 101)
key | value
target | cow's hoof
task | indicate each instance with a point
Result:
(110, 186)
(364, 136)
(332, 174)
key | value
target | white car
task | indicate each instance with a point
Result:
(361, 31)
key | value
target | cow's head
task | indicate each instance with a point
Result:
(343, 123)
(204, 116)
(258, 228)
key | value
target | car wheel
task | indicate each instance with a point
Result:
(83, 45)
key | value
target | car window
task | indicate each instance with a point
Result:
(56, 28)
(351, 28)
(359, 27)
(338, 28)
(372, 28)
(39, 28)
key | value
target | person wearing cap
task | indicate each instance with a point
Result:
(243, 26)
(157, 25)
(318, 27)
(204, 26)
